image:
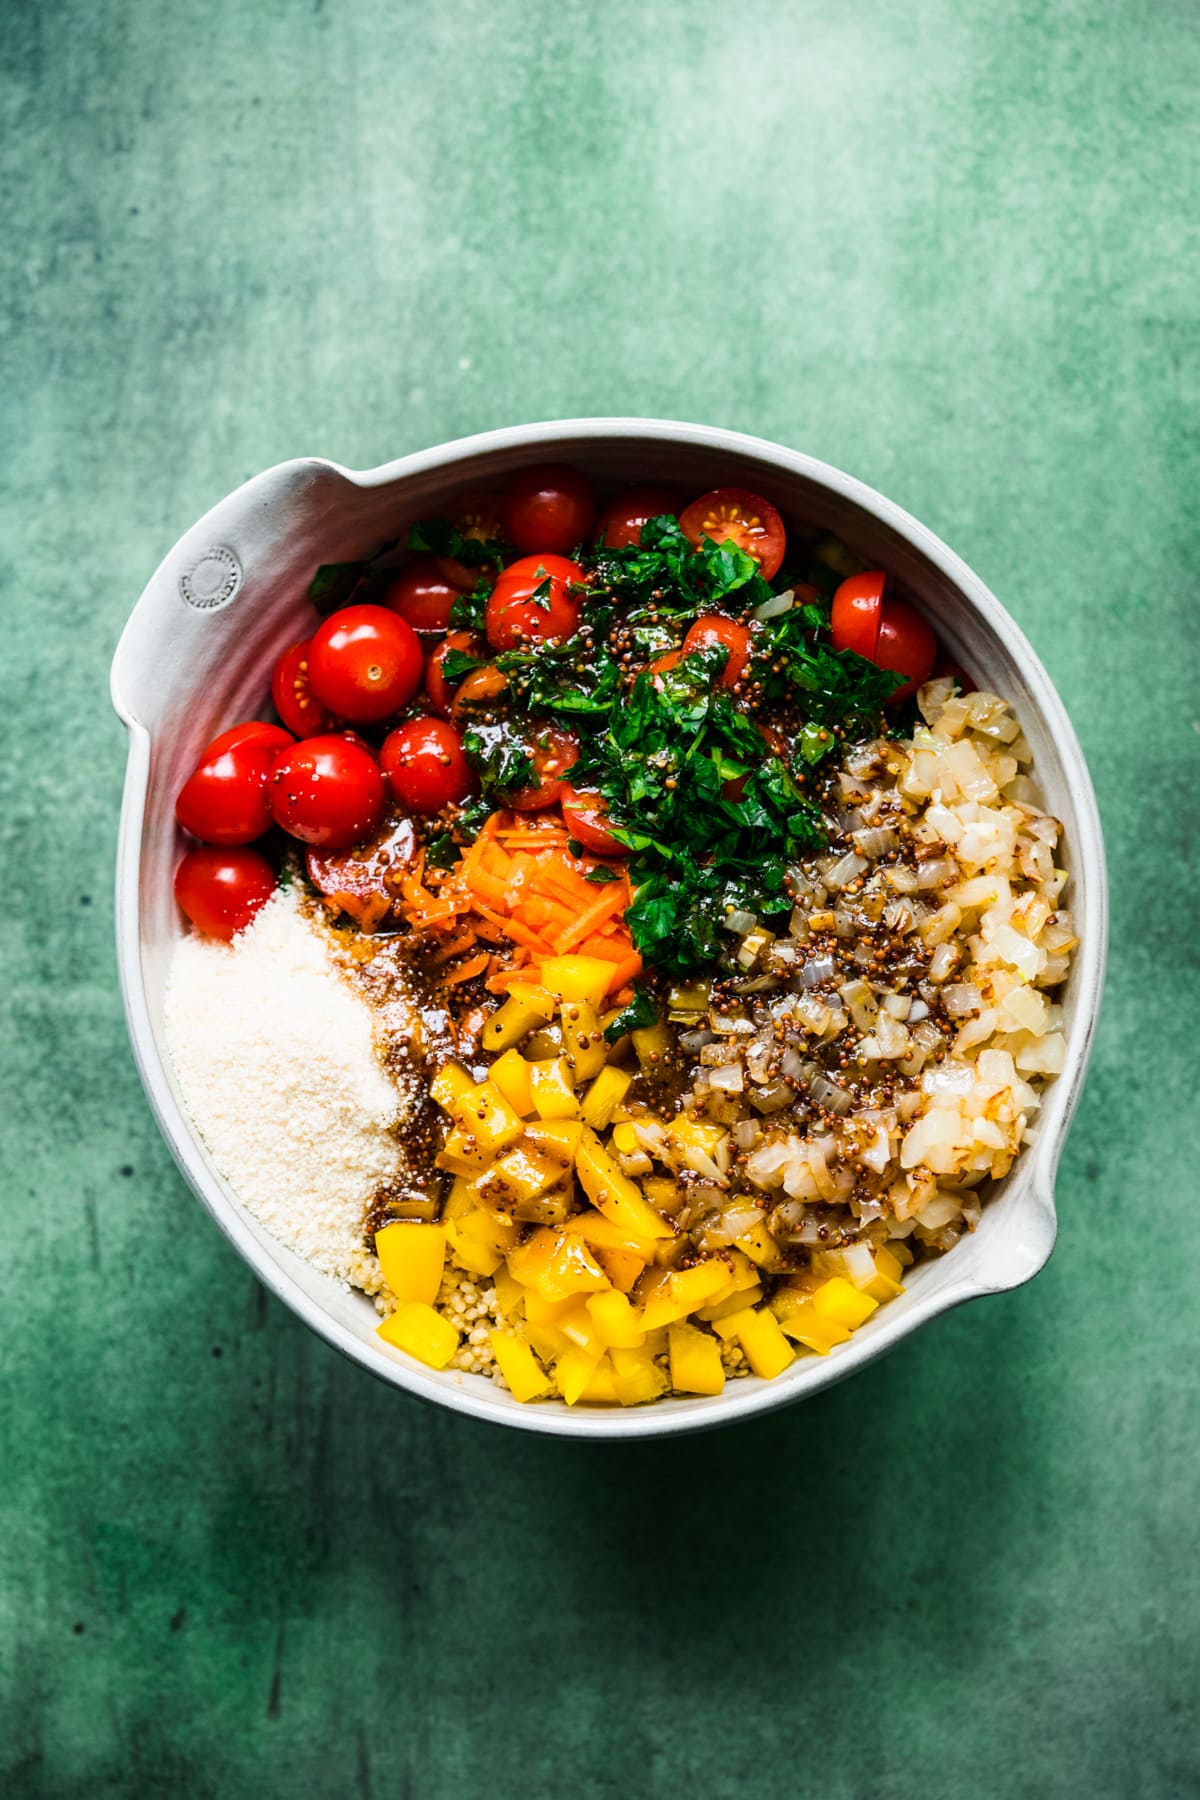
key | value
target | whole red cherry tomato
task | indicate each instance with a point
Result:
(421, 594)
(552, 753)
(586, 818)
(662, 665)
(222, 890)
(516, 617)
(292, 695)
(906, 644)
(426, 765)
(476, 692)
(620, 524)
(857, 610)
(225, 799)
(456, 643)
(328, 791)
(714, 631)
(752, 522)
(549, 507)
(365, 663)
(476, 516)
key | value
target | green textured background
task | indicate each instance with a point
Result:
(945, 245)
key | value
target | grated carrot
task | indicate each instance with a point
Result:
(596, 915)
(475, 965)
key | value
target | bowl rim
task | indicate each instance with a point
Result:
(742, 1399)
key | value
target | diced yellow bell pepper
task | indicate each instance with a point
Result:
(601, 1390)
(613, 1194)
(449, 1085)
(491, 1121)
(532, 1258)
(542, 1312)
(510, 1073)
(471, 1253)
(558, 1138)
(463, 1196)
(424, 1333)
(602, 1234)
(604, 1096)
(656, 1341)
(547, 1340)
(586, 1048)
(695, 1360)
(573, 1269)
(483, 1227)
(662, 1191)
(636, 1377)
(621, 1266)
(526, 1378)
(616, 1321)
(578, 1325)
(577, 978)
(412, 1257)
(733, 1301)
(533, 994)
(842, 1302)
(573, 1370)
(803, 1322)
(900, 1250)
(696, 1134)
(553, 1206)
(760, 1247)
(462, 1154)
(511, 1022)
(553, 1087)
(767, 1350)
(624, 1138)
(683, 1291)
(652, 1043)
(517, 1176)
(510, 1295)
(885, 1284)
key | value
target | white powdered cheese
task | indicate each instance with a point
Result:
(273, 1051)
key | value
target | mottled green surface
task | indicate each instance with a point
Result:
(945, 245)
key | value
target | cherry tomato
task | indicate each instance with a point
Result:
(585, 816)
(440, 691)
(661, 664)
(549, 507)
(514, 619)
(426, 765)
(752, 523)
(906, 644)
(225, 799)
(621, 522)
(714, 631)
(475, 516)
(552, 753)
(857, 610)
(221, 890)
(476, 690)
(292, 695)
(422, 595)
(328, 791)
(365, 663)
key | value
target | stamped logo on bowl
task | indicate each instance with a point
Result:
(213, 579)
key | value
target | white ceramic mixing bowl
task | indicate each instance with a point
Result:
(194, 658)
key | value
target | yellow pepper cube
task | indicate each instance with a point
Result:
(553, 1087)
(491, 1121)
(510, 1073)
(636, 1376)
(547, 1340)
(604, 1096)
(555, 1137)
(424, 1333)
(517, 1176)
(616, 1321)
(652, 1044)
(510, 1295)
(767, 1350)
(529, 1262)
(601, 1390)
(624, 1138)
(542, 1312)
(573, 1269)
(696, 1134)
(578, 1325)
(471, 1253)
(664, 1192)
(512, 1022)
(695, 1360)
(621, 1266)
(573, 1370)
(483, 1227)
(736, 1300)
(462, 1154)
(842, 1302)
(526, 1378)
(683, 1291)
(534, 995)
(803, 1322)
(463, 1196)
(602, 1234)
(577, 978)
(587, 1051)
(613, 1194)
(760, 1247)
(412, 1257)
(449, 1085)
(553, 1206)
(885, 1284)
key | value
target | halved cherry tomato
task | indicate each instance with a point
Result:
(328, 791)
(222, 890)
(661, 664)
(552, 753)
(464, 643)
(476, 516)
(906, 644)
(514, 618)
(586, 818)
(620, 524)
(752, 522)
(426, 765)
(292, 695)
(476, 691)
(362, 881)
(857, 610)
(422, 595)
(225, 799)
(365, 663)
(549, 507)
(714, 631)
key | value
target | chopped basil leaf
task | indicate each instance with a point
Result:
(639, 1015)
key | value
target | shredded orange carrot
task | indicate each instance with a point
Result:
(589, 921)
(625, 972)
(475, 965)
(463, 941)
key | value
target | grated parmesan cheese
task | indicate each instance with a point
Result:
(273, 1052)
